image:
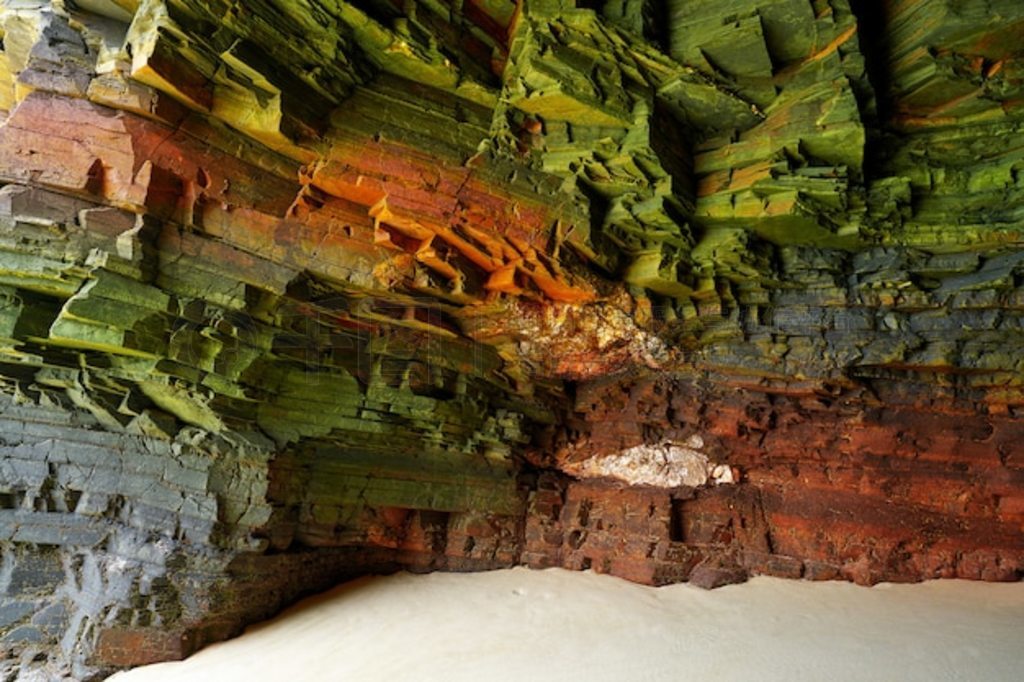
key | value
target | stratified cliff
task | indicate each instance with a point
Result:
(296, 290)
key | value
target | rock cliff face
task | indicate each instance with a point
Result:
(295, 290)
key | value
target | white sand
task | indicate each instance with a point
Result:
(541, 626)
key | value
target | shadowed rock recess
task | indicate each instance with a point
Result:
(297, 290)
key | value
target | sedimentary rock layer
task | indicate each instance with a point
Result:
(686, 290)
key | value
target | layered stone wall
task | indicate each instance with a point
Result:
(686, 290)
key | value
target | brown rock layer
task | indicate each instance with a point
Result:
(880, 487)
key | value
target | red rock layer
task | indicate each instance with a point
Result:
(873, 488)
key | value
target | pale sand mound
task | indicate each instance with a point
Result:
(556, 625)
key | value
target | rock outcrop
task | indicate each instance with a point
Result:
(293, 291)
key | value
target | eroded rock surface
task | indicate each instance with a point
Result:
(684, 290)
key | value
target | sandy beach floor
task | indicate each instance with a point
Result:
(554, 625)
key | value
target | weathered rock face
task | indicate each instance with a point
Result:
(685, 290)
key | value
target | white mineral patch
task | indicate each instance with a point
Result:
(663, 465)
(723, 474)
(557, 626)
